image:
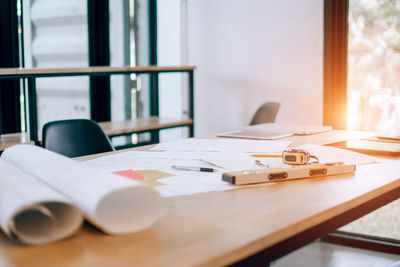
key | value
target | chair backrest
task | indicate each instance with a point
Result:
(266, 113)
(74, 138)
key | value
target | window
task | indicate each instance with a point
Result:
(374, 90)
(362, 75)
(55, 36)
(374, 66)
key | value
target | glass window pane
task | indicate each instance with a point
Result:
(383, 222)
(374, 66)
(374, 90)
(120, 56)
(55, 36)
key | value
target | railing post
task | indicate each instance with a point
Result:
(191, 101)
(32, 109)
(154, 103)
(153, 61)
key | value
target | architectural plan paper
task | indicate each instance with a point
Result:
(224, 145)
(328, 154)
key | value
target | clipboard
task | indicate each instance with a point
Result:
(284, 174)
(370, 146)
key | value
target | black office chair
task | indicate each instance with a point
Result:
(74, 138)
(266, 113)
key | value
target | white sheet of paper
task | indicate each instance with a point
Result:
(184, 182)
(187, 183)
(193, 182)
(224, 161)
(328, 154)
(224, 145)
(146, 164)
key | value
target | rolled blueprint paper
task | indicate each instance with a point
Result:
(32, 212)
(112, 203)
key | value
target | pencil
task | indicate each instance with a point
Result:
(267, 156)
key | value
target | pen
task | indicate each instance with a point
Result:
(267, 155)
(187, 168)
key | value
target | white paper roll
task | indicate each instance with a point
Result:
(112, 203)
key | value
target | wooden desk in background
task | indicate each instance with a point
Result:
(111, 128)
(259, 224)
(7, 140)
(31, 76)
(139, 125)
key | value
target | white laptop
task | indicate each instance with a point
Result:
(270, 131)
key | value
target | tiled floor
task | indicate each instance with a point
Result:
(321, 254)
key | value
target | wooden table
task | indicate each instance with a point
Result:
(7, 140)
(258, 224)
(115, 128)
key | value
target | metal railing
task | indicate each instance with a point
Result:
(32, 74)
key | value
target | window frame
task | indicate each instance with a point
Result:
(335, 107)
(335, 63)
(10, 103)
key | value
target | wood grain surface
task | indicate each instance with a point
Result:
(112, 128)
(26, 72)
(7, 140)
(217, 228)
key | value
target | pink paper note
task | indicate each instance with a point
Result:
(129, 174)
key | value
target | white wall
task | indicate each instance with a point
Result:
(172, 51)
(250, 52)
(169, 54)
